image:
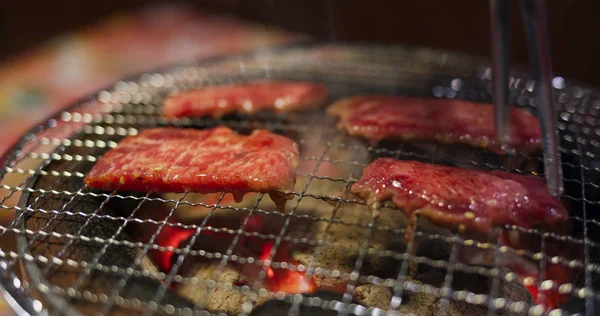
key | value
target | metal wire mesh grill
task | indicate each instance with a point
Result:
(81, 254)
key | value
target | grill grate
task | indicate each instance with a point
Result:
(79, 253)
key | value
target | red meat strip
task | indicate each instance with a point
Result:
(458, 197)
(203, 161)
(217, 101)
(446, 121)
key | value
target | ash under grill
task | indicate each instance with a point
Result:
(120, 252)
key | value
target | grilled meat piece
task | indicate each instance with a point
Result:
(203, 161)
(462, 199)
(446, 121)
(216, 101)
(459, 197)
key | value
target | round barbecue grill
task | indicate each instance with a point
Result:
(81, 251)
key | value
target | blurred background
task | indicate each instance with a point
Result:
(54, 52)
(456, 25)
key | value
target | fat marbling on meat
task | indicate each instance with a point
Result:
(426, 119)
(203, 161)
(216, 101)
(458, 197)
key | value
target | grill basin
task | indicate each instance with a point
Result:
(85, 251)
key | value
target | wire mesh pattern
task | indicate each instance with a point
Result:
(85, 251)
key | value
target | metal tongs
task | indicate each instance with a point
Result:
(534, 19)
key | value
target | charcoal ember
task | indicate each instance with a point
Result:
(421, 303)
(470, 251)
(278, 307)
(372, 295)
(336, 258)
(223, 298)
(344, 242)
(439, 249)
(347, 237)
(146, 264)
(413, 303)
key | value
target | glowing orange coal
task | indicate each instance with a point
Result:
(276, 279)
(559, 274)
(295, 282)
(169, 236)
(550, 298)
(285, 280)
